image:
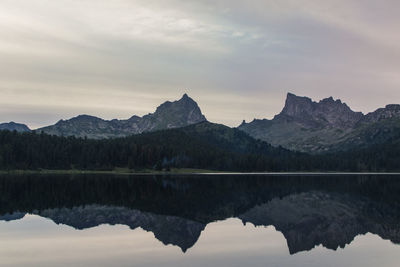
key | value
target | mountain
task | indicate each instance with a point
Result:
(324, 126)
(168, 115)
(12, 126)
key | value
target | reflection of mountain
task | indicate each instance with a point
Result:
(332, 220)
(168, 229)
(309, 211)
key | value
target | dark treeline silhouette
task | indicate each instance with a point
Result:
(202, 146)
(202, 198)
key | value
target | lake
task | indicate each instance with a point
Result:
(200, 220)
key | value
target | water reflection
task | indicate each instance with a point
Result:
(307, 212)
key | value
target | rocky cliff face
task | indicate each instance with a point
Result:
(173, 115)
(12, 126)
(168, 115)
(315, 127)
(326, 113)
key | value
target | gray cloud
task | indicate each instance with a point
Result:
(237, 59)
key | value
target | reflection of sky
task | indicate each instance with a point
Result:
(35, 241)
(236, 58)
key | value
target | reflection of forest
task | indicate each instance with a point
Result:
(313, 210)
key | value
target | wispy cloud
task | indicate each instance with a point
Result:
(78, 56)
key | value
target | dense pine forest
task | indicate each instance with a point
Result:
(201, 146)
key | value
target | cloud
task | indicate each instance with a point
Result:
(237, 59)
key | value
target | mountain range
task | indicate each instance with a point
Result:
(303, 125)
(327, 125)
(167, 116)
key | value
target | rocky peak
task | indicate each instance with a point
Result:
(327, 112)
(179, 113)
(185, 101)
(297, 105)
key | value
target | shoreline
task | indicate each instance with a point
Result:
(185, 172)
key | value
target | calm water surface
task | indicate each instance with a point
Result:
(237, 220)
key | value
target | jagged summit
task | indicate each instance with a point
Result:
(327, 112)
(296, 105)
(179, 113)
(310, 126)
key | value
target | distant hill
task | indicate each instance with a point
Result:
(169, 115)
(12, 126)
(325, 126)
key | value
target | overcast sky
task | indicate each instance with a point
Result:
(237, 59)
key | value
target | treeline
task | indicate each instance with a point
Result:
(204, 146)
(159, 150)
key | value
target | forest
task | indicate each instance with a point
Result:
(203, 146)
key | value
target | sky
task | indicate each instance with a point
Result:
(237, 59)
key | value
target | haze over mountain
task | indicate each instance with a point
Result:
(327, 125)
(167, 116)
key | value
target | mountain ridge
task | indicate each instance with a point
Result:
(314, 127)
(168, 115)
(303, 125)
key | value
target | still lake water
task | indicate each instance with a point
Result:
(204, 220)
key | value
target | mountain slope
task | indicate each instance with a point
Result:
(324, 126)
(168, 115)
(12, 126)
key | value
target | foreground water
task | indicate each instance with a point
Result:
(205, 220)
